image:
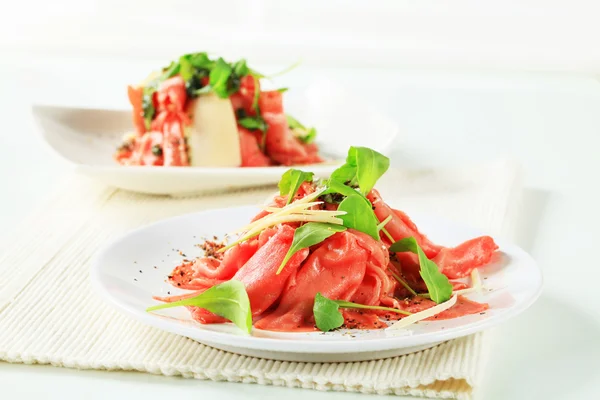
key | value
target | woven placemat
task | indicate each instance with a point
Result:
(50, 315)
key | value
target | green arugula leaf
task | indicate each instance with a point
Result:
(240, 68)
(310, 136)
(330, 195)
(255, 106)
(438, 285)
(359, 215)
(282, 90)
(306, 135)
(219, 78)
(256, 96)
(201, 61)
(363, 166)
(148, 106)
(308, 235)
(228, 300)
(186, 69)
(193, 68)
(224, 80)
(169, 72)
(359, 210)
(253, 123)
(370, 166)
(344, 174)
(328, 316)
(336, 192)
(334, 186)
(291, 180)
(293, 123)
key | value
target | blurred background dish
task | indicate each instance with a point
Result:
(87, 138)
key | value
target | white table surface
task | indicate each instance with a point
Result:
(548, 122)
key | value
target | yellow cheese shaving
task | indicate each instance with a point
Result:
(304, 203)
(298, 211)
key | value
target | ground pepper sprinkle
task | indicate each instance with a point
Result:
(211, 248)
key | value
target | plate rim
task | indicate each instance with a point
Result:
(297, 345)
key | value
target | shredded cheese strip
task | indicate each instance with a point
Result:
(294, 206)
(298, 211)
(430, 312)
(298, 205)
(287, 218)
(290, 209)
(384, 223)
(465, 291)
(476, 280)
(387, 234)
(295, 218)
(308, 211)
(311, 196)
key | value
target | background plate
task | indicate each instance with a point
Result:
(88, 138)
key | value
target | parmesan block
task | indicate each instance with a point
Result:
(213, 139)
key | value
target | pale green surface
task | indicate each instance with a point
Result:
(551, 123)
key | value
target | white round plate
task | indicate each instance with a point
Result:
(513, 283)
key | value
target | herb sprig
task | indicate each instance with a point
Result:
(306, 135)
(361, 171)
(354, 211)
(438, 285)
(223, 78)
(363, 167)
(253, 123)
(290, 182)
(359, 215)
(228, 300)
(328, 316)
(204, 75)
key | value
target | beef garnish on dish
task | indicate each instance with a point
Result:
(204, 112)
(326, 254)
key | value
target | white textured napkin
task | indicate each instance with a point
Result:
(49, 313)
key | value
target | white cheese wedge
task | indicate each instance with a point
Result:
(213, 139)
